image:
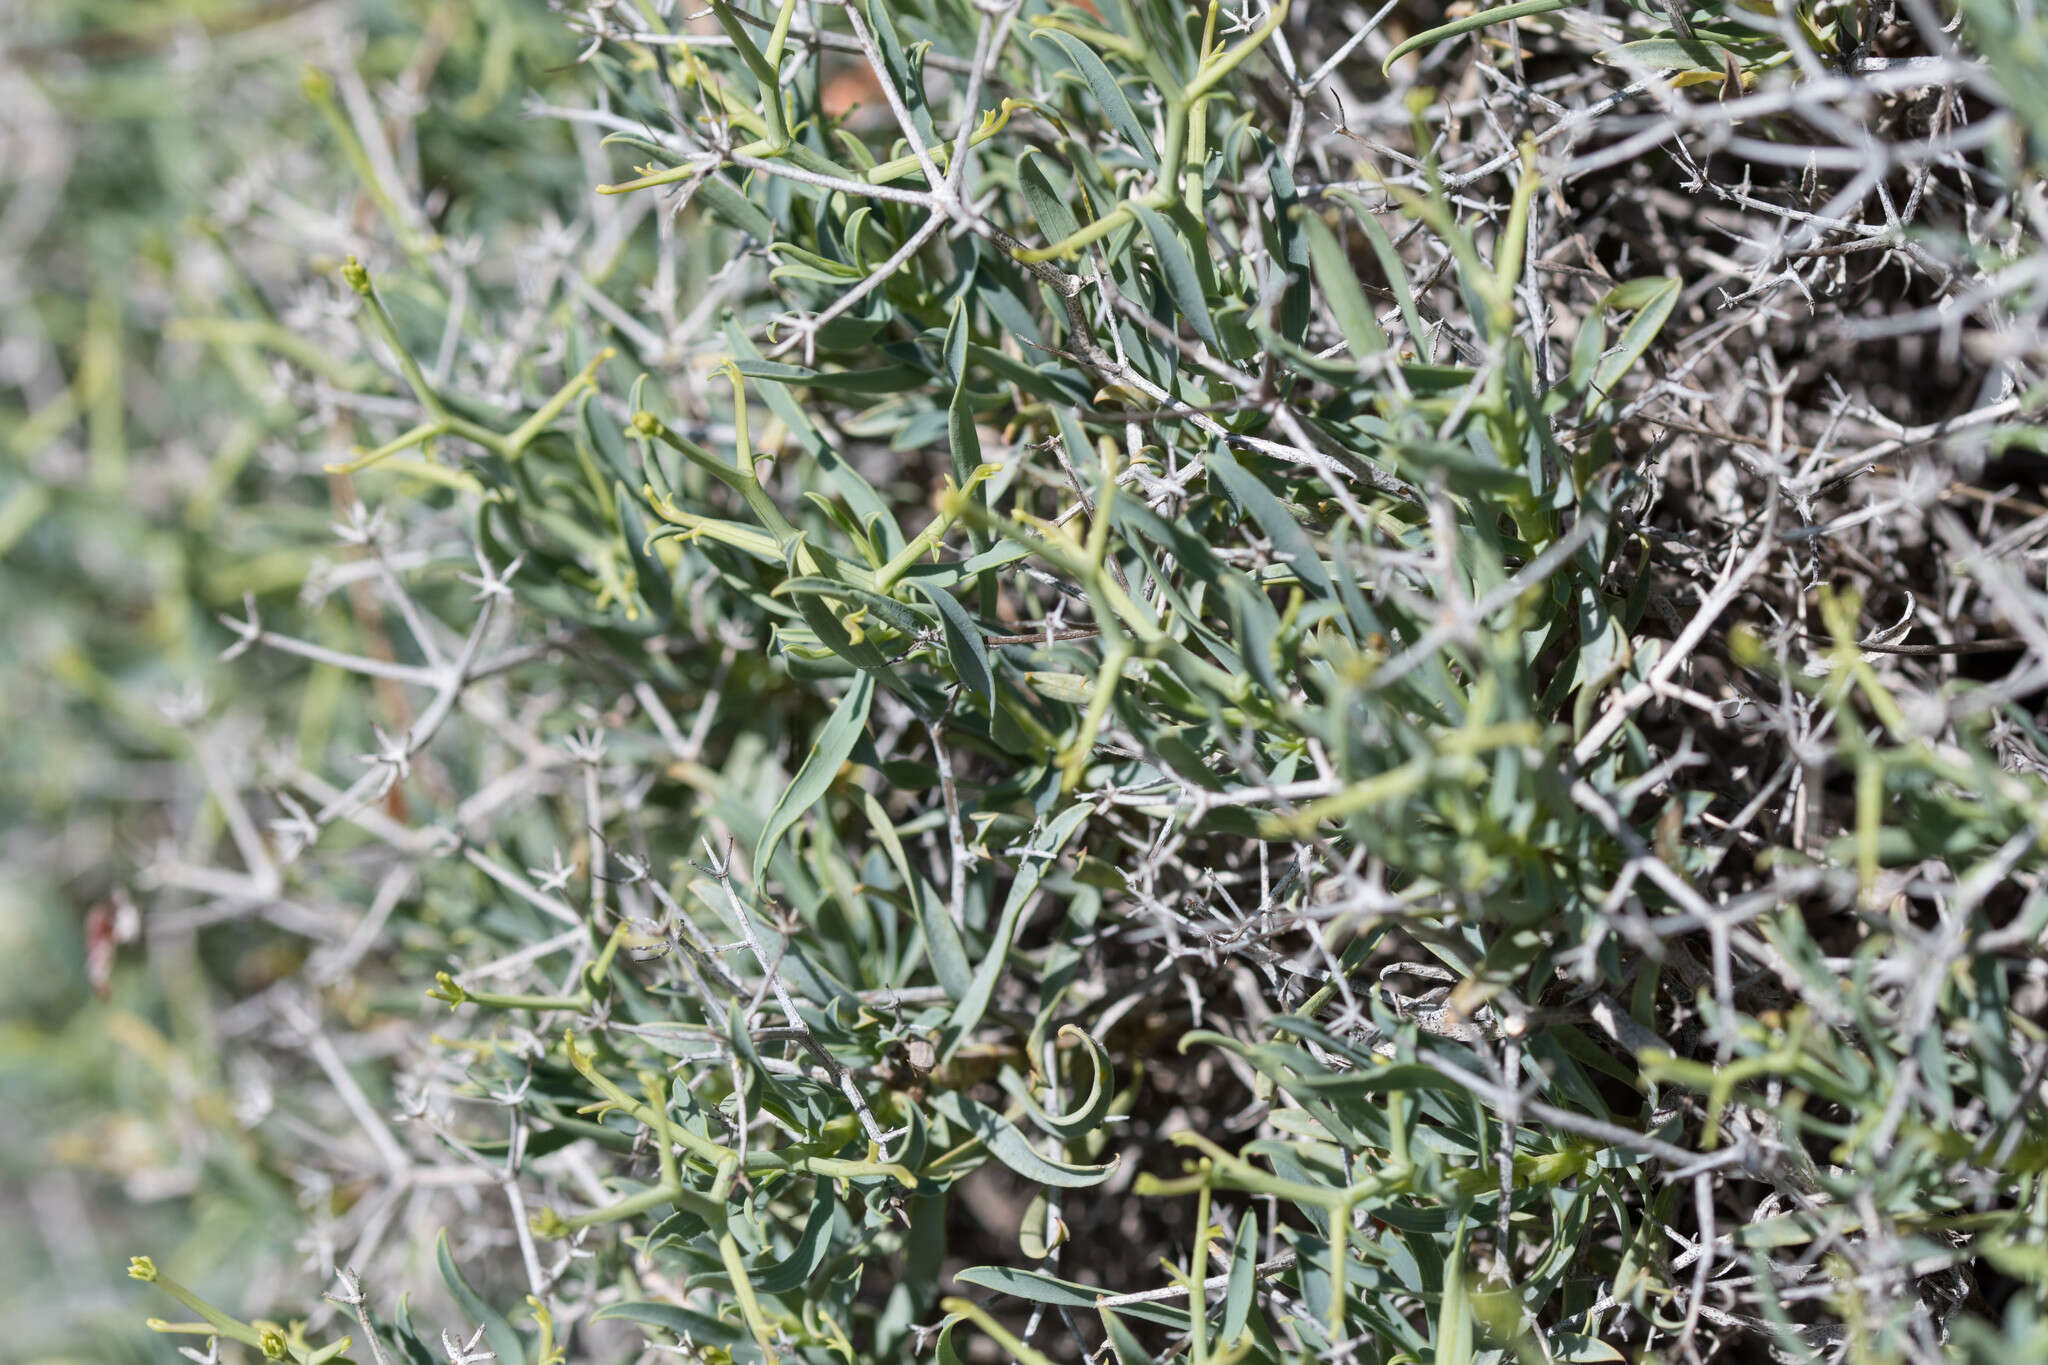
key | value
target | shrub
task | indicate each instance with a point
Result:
(1104, 653)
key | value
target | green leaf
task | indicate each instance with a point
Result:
(702, 1328)
(1485, 18)
(1290, 543)
(497, 1331)
(1035, 1286)
(941, 940)
(1086, 1116)
(964, 643)
(1183, 284)
(883, 379)
(1673, 54)
(723, 199)
(1031, 1233)
(963, 443)
(897, 613)
(1051, 837)
(1107, 92)
(1652, 299)
(868, 505)
(1071, 688)
(328, 1352)
(1454, 1325)
(1009, 1146)
(795, 1271)
(743, 43)
(1392, 266)
(407, 1336)
(1587, 348)
(1124, 1342)
(1241, 1291)
(1055, 219)
(1291, 255)
(905, 68)
(1258, 631)
(1339, 283)
(834, 743)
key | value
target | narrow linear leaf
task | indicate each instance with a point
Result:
(1033, 1237)
(1339, 283)
(1653, 299)
(1107, 92)
(724, 200)
(1055, 219)
(795, 1270)
(1044, 847)
(1183, 284)
(1454, 1326)
(1035, 1286)
(699, 1327)
(963, 443)
(835, 741)
(941, 939)
(1124, 1342)
(1009, 1145)
(1088, 1115)
(1671, 54)
(868, 506)
(497, 1331)
(1484, 19)
(905, 67)
(407, 1336)
(1292, 255)
(1392, 266)
(898, 614)
(963, 642)
(882, 379)
(1290, 542)
(1240, 1292)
